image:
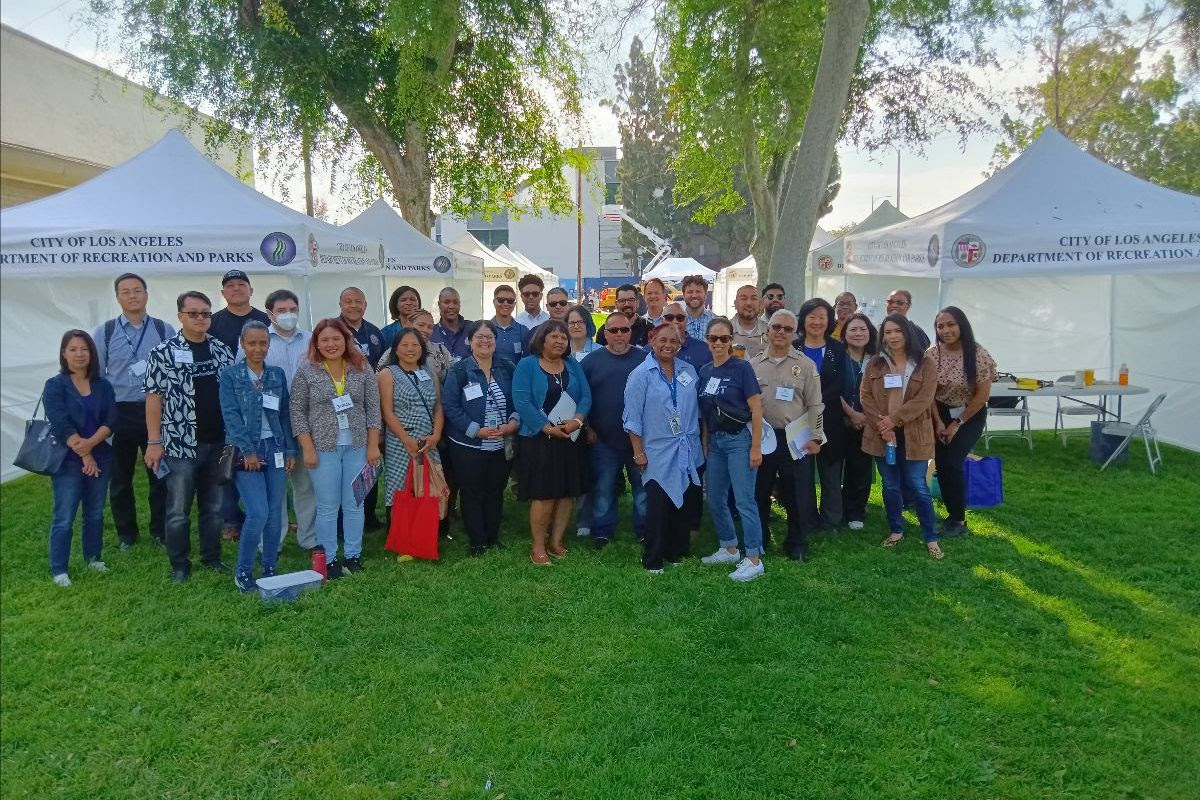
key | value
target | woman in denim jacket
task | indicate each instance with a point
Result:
(477, 402)
(255, 406)
(82, 410)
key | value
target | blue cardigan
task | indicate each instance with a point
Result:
(64, 406)
(529, 392)
(464, 417)
(242, 407)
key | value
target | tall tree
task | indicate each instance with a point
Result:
(449, 98)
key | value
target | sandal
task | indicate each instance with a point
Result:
(557, 552)
(541, 559)
(935, 550)
(893, 540)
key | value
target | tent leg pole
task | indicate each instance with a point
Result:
(308, 301)
(1112, 326)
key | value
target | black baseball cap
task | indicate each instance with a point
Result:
(235, 275)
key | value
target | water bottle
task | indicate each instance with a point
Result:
(1123, 375)
(890, 454)
(318, 561)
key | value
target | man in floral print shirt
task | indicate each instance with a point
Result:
(185, 431)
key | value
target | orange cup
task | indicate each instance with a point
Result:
(1089, 377)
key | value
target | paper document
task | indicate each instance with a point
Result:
(798, 433)
(363, 482)
(563, 410)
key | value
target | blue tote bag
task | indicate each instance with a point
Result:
(985, 482)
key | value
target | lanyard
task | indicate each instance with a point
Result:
(671, 386)
(339, 387)
(136, 347)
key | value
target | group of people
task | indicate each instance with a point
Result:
(691, 408)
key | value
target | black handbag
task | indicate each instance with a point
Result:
(726, 418)
(40, 452)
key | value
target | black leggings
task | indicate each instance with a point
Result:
(667, 527)
(949, 460)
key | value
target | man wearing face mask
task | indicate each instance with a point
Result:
(289, 344)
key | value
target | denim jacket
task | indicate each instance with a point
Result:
(529, 392)
(64, 406)
(464, 417)
(242, 407)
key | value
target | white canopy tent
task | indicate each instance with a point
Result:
(1061, 262)
(678, 268)
(745, 272)
(525, 263)
(826, 262)
(413, 259)
(169, 214)
(497, 270)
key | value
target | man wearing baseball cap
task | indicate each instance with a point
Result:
(227, 323)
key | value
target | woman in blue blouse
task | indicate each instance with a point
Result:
(552, 399)
(82, 410)
(478, 404)
(257, 412)
(663, 422)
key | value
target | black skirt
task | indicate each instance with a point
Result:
(551, 468)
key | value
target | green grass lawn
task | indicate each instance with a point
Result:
(1055, 654)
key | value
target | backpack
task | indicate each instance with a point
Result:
(111, 326)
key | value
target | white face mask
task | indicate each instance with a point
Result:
(287, 320)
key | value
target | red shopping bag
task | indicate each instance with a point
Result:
(414, 527)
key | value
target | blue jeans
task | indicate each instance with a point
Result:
(728, 464)
(910, 474)
(194, 477)
(607, 464)
(332, 478)
(72, 488)
(263, 493)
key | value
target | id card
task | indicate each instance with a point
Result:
(343, 422)
(685, 379)
(343, 402)
(270, 401)
(279, 461)
(517, 348)
(422, 375)
(472, 391)
(712, 387)
(183, 356)
(138, 368)
(893, 381)
(785, 393)
(676, 425)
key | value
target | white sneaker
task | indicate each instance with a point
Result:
(747, 570)
(98, 566)
(654, 571)
(722, 556)
(854, 525)
(583, 531)
(62, 580)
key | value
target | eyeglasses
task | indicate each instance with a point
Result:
(848, 304)
(531, 294)
(783, 329)
(576, 322)
(674, 317)
(198, 314)
(717, 338)
(898, 303)
(557, 303)
(625, 329)
(508, 301)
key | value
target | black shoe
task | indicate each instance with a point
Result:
(268, 572)
(334, 570)
(954, 530)
(244, 581)
(352, 566)
(180, 575)
(216, 566)
(476, 550)
(599, 543)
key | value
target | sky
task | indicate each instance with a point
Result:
(944, 171)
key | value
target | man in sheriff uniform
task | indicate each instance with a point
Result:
(748, 330)
(791, 389)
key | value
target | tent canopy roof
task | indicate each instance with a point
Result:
(674, 269)
(1053, 210)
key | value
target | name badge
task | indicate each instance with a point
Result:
(517, 348)
(183, 356)
(785, 393)
(279, 461)
(343, 403)
(712, 387)
(422, 375)
(343, 422)
(138, 368)
(893, 381)
(685, 379)
(473, 391)
(270, 401)
(676, 425)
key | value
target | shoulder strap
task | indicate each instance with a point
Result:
(109, 327)
(416, 385)
(161, 327)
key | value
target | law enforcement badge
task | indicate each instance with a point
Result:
(796, 371)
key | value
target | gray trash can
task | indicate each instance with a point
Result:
(1103, 444)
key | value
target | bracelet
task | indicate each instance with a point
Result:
(636, 456)
(154, 441)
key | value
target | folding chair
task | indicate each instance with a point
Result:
(1143, 427)
(1071, 407)
(1021, 411)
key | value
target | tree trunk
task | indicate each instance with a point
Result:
(407, 167)
(762, 199)
(845, 25)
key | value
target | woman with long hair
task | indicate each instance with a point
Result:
(336, 418)
(552, 399)
(859, 336)
(897, 400)
(965, 372)
(82, 410)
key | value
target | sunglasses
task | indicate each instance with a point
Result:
(198, 314)
(557, 303)
(625, 329)
(508, 301)
(722, 339)
(783, 329)
(531, 294)
(674, 317)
